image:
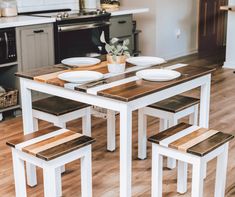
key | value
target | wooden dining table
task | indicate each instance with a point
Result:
(123, 93)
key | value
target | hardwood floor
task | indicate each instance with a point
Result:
(106, 164)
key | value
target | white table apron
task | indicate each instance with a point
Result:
(125, 109)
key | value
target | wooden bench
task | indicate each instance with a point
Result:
(59, 111)
(169, 112)
(194, 145)
(50, 149)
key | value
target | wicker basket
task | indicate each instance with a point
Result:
(8, 99)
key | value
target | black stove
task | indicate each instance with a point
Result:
(77, 32)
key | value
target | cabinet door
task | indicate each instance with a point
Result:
(37, 47)
(121, 26)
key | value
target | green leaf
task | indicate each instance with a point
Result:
(102, 37)
(126, 42)
(108, 48)
(114, 40)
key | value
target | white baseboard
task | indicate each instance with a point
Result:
(181, 54)
(229, 65)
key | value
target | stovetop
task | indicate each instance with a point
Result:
(73, 14)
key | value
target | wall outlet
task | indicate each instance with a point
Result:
(178, 33)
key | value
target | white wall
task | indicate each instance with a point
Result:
(159, 27)
(34, 5)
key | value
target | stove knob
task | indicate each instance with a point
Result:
(66, 15)
(98, 11)
(104, 11)
(59, 15)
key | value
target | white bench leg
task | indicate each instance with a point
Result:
(171, 163)
(193, 118)
(157, 166)
(142, 134)
(60, 124)
(31, 174)
(86, 174)
(197, 179)
(163, 124)
(51, 178)
(182, 177)
(35, 124)
(111, 130)
(86, 122)
(221, 171)
(19, 175)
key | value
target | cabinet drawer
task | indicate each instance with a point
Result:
(121, 26)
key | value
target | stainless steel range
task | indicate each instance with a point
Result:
(77, 33)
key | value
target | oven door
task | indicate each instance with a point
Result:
(81, 40)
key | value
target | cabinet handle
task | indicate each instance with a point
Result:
(122, 22)
(38, 31)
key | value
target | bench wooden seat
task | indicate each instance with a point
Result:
(197, 141)
(50, 143)
(194, 145)
(176, 103)
(169, 112)
(57, 106)
(50, 149)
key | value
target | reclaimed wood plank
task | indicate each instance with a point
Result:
(176, 103)
(136, 89)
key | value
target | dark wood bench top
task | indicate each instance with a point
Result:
(195, 140)
(57, 105)
(176, 103)
(50, 143)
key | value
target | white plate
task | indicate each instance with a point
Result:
(80, 61)
(145, 61)
(80, 76)
(158, 74)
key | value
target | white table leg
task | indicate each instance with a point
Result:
(142, 134)
(86, 122)
(205, 104)
(111, 130)
(19, 175)
(28, 126)
(221, 171)
(86, 174)
(125, 152)
(205, 110)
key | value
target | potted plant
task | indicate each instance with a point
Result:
(117, 52)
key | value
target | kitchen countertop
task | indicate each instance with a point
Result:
(124, 11)
(6, 22)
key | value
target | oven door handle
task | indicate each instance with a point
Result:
(7, 44)
(64, 28)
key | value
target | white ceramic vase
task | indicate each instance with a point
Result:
(116, 68)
